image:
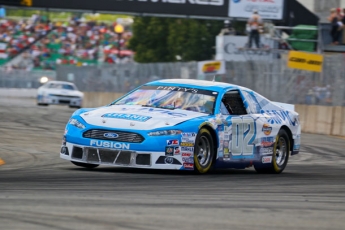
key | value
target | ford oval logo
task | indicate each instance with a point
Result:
(111, 135)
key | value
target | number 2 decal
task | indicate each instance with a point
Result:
(243, 135)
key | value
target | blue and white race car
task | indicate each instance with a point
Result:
(185, 125)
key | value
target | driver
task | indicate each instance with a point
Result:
(178, 103)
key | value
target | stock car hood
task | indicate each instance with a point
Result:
(137, 117)
(64, 92)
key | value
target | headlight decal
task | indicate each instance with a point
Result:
(165, 132)
(76, 123)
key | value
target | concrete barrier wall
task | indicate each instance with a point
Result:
(96, 99)
(325, 120)
(19, 93)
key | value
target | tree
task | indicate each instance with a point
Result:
(172, 39)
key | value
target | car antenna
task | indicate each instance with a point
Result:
(214, 78)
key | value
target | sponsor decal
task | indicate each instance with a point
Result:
(169, 151)
(226, 144)
(267, 129)
(188, 160)
(266, 151)
(267, 159)
(187, 144)
(111, 135)
(177, 151)
(187, 149)
(125, 116)
(188, 134)
(267, 141)
(226, 137)
(188, 166)
(109, 144)
(187, 154)
(172, 142)
(220, 128)
(175, 88)
(220, 154)
(188, 139)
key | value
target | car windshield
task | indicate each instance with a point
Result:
(61, 86)
(172, 97)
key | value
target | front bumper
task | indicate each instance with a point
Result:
(61, 100)
(123, 158)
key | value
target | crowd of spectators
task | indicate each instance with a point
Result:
(80, 42)
(74, 42)
(15, 35)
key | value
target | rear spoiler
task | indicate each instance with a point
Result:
(285, 106)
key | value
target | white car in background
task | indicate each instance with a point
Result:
(59, 93)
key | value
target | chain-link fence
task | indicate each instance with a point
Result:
(271, 78)
(24, 79)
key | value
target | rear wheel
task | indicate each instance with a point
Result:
(203, 151)
(85, 165)
(280, 155)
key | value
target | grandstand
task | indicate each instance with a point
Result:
(38, 43)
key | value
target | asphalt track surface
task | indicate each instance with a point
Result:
(38, 190)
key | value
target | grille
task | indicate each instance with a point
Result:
(92, 155)
(64, 101)
(108, 156)
(77, 152)
(143, 159)
(122, 136)
(124, 158)
(57, 95)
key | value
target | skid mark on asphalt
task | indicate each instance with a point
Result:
(2, 162)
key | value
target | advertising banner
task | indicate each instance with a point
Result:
(267, 9)
(233, 48)
(211, 67)
(305, 61)
(207, 8)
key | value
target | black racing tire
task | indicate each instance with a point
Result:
(85, 165)
(280, 157)
(204, 152)
(42, 104)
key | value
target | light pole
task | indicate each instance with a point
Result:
(119, 30)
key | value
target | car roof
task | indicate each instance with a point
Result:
(199, 84)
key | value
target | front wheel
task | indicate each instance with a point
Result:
(85, 165)
(203, 151)
(280, 155)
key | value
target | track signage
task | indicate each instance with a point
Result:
(305, 61)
